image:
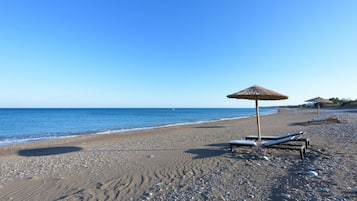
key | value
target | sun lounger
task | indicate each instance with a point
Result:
(273, 137)
(283, 144)
(241, 143)
(324, 120)
(278, 144)
(277, 137)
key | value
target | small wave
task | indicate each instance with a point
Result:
(177, 124)
(16, 141)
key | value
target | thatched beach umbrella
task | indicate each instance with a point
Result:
(319, 100)
(258, 93)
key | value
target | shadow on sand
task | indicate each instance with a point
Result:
(209, 127)
(47, 151)
(220, 150)
(299, 124)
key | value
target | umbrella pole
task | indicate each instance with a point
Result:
(258, 119)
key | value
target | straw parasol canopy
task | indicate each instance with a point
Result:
(318, 100)
(258, 93)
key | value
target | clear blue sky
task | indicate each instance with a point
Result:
(176, 53)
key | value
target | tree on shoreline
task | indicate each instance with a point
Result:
(345, 102)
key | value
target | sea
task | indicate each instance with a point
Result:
(20, 126)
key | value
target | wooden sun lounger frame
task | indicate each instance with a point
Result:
(299, 147)
(277, 144)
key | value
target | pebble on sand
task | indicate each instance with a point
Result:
(312, 173)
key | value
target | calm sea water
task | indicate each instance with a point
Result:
(28, 125)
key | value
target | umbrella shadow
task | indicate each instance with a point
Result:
(209, 152)
(304, 123)
(221, 145)
(48, 151)
(221, 149)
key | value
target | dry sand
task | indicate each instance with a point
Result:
(191, 162)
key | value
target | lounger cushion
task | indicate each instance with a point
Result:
(275, 142)
(274, 137)
(243, 143)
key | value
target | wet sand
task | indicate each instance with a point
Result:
(191, 162)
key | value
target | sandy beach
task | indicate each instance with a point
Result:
(191, 162)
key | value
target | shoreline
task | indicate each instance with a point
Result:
(186, 162)
(30, 140)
